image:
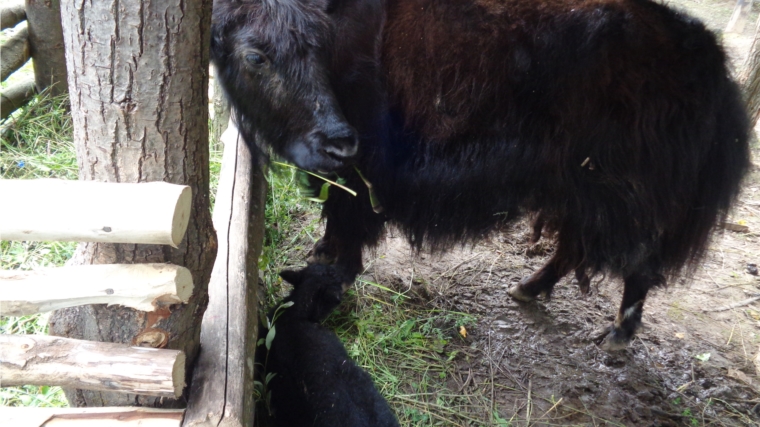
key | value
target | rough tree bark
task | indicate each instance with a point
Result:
(46, 42)
(138, 80)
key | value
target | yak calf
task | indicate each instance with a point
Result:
(315, 383)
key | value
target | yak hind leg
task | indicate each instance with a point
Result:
(537, 227)
(619, 334)
(584, 282)
(541, 282)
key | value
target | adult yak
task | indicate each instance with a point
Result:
(616, 120)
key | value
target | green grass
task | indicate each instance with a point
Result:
(410, 351)
(292, 228)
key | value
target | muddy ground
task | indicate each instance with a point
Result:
(694, 363)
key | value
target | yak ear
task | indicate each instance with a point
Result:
(329, 6)
(294, 277)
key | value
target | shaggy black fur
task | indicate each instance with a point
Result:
(315, 383)
(617, 120)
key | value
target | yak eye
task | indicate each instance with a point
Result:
(256, 59)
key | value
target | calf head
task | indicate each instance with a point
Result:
(274, 60)
(317, 290)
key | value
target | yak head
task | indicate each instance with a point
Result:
(276, 61)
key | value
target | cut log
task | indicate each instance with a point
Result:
(11, 13)
(222, 385)
(16, 96)
(90, 417)
(88, 211)
(143, 287)
(15, 52)
(46, 360)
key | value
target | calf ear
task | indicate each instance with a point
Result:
(294, 277)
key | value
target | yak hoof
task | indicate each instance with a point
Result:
(610, 340)
(519, 294)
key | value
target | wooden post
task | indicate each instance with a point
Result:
(90, 417)
(46, 360)
(222, 386)
(15, 52)
(11, 13)
(739, 16)
(220, 109)
(145, 287)
(16, 96)
(46, 45)
(155, 212)
(749, 78)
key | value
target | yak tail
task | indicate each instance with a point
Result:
(723, 166)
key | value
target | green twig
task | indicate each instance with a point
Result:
(350, 191)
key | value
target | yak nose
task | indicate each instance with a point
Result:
(342, 144)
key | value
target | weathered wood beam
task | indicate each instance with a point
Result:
(11, 13)
(739, 16)
(143, 287)
(90, 417)
(222, 385)
(16, 96)
(88, 211)
(220, 109)
(15, 52)
(47, 360)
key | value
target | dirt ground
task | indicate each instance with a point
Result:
(694, 363)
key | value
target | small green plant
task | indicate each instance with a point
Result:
(262, 389)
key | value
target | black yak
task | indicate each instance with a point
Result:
(617, 120)
(313, 380)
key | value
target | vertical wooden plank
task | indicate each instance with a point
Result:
(221, 393)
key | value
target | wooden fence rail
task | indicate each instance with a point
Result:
(90, 417)
(45, 360)
(11, 13)
(88, 211)
(143, 287)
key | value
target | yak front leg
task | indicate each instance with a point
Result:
(351, 226)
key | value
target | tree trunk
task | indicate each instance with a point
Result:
(750, 78)
(46, 42)
(138, 80)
